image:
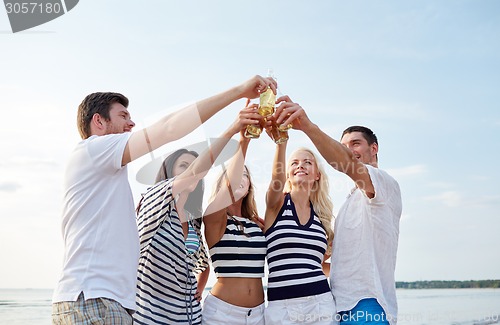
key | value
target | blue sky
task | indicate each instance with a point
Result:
(424, 75)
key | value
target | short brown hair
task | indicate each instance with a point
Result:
(99, 103)
(368, 134)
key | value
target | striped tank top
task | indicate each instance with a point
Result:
(295, 253)
(241, 252)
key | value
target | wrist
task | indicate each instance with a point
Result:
(309, 128)
(237, 92)
(244, 141)
(229, 133)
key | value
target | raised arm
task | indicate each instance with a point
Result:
(184, 121)
(201, 165)
(215, 214)
(274, 195)
(335, 153)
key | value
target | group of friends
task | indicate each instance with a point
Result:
(147, 264)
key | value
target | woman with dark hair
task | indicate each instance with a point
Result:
(174, 165)
(169, 222)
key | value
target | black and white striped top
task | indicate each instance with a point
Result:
(295, 253)
(166, 280)
(241, 252)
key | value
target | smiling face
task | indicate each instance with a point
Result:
(302, 168)
(119, 120)
(357, 143)
(242, 190)
(243, 196)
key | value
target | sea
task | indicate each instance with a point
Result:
(416, 306)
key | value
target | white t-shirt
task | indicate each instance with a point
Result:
(365, 246)
(99, 227)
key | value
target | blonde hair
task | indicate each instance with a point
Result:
(319, 197)
(248, 206)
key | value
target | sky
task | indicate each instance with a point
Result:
(423, 74)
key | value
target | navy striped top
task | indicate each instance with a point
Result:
(166, 281)
(241, 252)
(295, 253)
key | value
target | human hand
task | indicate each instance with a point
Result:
(288, 112)
(198, 295)
(256, 85)
(248, 115)
(270, 122)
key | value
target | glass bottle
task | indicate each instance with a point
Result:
(266, 108)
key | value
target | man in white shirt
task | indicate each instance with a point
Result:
(367, 227)
(99, 229)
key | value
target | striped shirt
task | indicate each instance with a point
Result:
(165, 280)
(241, 252)
(295, 253)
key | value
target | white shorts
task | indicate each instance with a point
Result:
(319, 309)
(216, 311)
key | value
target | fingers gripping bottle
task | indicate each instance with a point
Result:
(266, 108)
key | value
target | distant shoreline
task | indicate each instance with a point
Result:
(423, 284)
(439, 284)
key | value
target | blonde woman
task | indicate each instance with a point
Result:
(298, 232)
(237, 247)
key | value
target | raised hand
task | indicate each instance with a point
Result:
(256, 85)
(288, 112)
(248, 115)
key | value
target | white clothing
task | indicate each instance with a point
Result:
(99, 229)
(318, 310)
(219, 312)
(365, 246)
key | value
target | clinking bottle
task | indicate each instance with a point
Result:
(266, 108)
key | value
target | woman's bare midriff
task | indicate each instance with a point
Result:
(242, 292)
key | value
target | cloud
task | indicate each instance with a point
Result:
(452, 198)
(407, 171)
(29, 162)
(394, 110)
(9, 187)
(441, 184)
(448, 198)
(488, 200)
(479, 178)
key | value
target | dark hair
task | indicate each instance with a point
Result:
(367, 133)
(195, 199)
(99, 103)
